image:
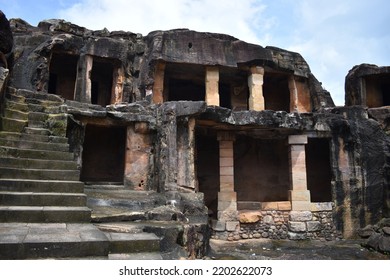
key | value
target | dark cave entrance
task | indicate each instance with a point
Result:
(318, 169)
(101, 82)
(261, 169)
(207, 168)
(276, 92)
(103, 157)
(62, 74)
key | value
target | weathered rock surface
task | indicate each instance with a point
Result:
(378, 236)
(6, 38)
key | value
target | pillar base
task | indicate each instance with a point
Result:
(228, 215)
(301, 205)
(299, 195)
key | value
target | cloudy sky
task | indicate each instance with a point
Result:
(332, 35)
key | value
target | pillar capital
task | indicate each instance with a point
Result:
(226, 136)
(256, 70)
(297, 139)
(212, 73)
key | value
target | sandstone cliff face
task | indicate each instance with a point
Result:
(173, 136)
(6, 43)
(6, 40)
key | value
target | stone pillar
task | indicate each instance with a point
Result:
(227, 197)
(117, 85)
(83, 79)
(166, 154)
(299, 194)
(137, 157)
(158, 86)
(186, 176)
(255, 83)
(212, 86)
(293, 94)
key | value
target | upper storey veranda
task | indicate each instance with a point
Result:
(102, 67)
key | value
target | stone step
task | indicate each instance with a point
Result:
(136, 256)
(132, 242)
(34, 154)
(16, 106)
(55, 109)
(23, 185)
(55, 240)
(14, 114)
(42, 199)
(31, 107)
(36, 95)
(44, 214)
(33, 137)
(34, 145)
(74, 240)
(37, 131)
(39, 174)
(41, 100)
(37, 124)
(37, 116)
(12, 125)
(26, 163)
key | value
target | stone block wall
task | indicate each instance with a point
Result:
(281, 225)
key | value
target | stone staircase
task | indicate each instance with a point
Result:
(43, 207)
(39, 180)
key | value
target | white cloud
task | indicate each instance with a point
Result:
(237, 18)
(334, 35)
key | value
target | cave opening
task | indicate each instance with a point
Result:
(207, 167)
(261, 170)
(276, 92)
(377, 90)
(101, 82)
(318, 169)
(62, 74)
(103, 156)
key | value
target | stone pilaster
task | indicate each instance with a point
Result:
(299, 194)
(212, 86)
(117, 85)
(158, 87)
(255, 83)
(227, 197)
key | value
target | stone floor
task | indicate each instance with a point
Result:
(68, 240)
(61, 240)
(267, 249)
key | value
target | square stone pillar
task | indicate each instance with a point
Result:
(227, 197)
(158, 86)
(299, 194)
(255, 83)
(293, 94)
(137, 156)
(212, 86)
(186, 175)
(83, 86)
